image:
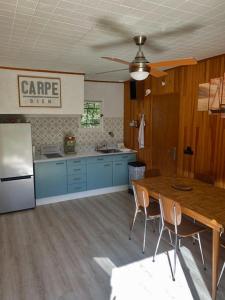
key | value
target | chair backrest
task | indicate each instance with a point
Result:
(140, 195)
(205, 178)
(170, 211)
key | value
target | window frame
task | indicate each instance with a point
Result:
(98, 128)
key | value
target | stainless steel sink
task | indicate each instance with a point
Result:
(53, 155)
(109, 150)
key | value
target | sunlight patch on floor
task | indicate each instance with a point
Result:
(146, 280)
(198, 281)
(105, 263)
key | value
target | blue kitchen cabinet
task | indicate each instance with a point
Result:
(99, 175)
(120, 173)
(120, 168)
(80, 174)
(50, 178)
(76, 175)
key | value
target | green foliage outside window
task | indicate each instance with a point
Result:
(92, 114)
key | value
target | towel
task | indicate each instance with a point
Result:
(141, 139)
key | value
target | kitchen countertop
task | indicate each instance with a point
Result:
(42, 158)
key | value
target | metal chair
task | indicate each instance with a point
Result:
(221, 273)
(171, 218)
(143, 205)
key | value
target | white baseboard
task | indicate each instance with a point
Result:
(73, 196)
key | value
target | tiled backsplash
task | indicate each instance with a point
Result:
(51, 130)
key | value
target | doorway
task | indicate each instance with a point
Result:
(165, 126)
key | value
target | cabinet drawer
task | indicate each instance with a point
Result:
(76, 169)
(76, 187)
(75, 162)
(125, 157)
(76, 178)
(99, 159)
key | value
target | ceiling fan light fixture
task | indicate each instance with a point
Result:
(139, 75)
(139, 71)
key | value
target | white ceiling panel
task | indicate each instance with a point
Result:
(27, 4)
(64, 34)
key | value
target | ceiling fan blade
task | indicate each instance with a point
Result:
(115, 27)
(157, 73)
(174, 63)
(116, 60)
(154, 47)
(187, 28)
(112, 44)
(112, 71)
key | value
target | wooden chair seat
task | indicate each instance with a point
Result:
(153, 210)
(186, 228)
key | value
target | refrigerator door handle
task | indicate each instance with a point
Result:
(16, 178)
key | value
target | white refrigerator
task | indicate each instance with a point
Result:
(16, 167)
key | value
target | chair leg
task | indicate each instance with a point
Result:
(175, 259)
(157, 246)
(132, 224)
(153, 225)
(221, 273)
(200, 247)
(193, 240)
(173, 269)
(179, 244)
(171, 241)
(160, 224)
(143, 248)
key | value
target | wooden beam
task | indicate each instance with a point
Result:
(40, 70)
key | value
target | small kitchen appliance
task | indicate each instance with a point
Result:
(51, 151)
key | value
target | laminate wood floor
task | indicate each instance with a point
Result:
(65, 251)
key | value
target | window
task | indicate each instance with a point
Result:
(92, 117)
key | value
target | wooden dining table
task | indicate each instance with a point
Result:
(203, 202)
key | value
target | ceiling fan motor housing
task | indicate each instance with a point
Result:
(139, 67)
(140, 63)
(140, 40)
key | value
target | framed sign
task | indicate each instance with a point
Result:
(37, 91)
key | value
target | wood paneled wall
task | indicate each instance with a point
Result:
(203, 132)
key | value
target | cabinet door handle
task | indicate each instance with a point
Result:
(77, 178)
(100, 158)
(60, 163)
(118, 164)
(77, 169)
(76, 161)
(107, 165)
(124, 157)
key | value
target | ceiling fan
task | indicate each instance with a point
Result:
(140, 67)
